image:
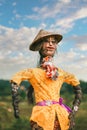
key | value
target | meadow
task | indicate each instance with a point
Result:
(8, 122)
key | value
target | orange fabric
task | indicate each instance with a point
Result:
(47, 89)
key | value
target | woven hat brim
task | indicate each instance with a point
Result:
(37, 42)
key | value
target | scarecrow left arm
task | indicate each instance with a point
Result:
(76, 103)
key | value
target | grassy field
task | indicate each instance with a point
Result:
(8, 122)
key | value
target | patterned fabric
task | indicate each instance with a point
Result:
(35, 126)
(51, 70)
(48, 103)
(56, 124)
(47, 89)
(15, 99)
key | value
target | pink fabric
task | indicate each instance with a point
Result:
(48, 103)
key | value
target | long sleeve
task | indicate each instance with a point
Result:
(22, 75)
(71, 79)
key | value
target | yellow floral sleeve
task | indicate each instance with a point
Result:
(21, 76)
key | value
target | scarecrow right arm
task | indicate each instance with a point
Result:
(15, 99)
(15, 81)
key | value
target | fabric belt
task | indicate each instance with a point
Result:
(49, 103)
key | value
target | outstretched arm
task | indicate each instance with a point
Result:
(76, 103)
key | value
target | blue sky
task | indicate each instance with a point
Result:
(20, 21)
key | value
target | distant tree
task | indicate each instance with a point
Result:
(5, 87)
(68, 88)
(83, 86)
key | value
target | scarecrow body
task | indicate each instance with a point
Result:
(48, 90)
(47, 82)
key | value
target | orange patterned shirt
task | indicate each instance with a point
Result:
(47, 89)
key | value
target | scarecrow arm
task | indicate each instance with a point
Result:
(76, 103)
(15, 99)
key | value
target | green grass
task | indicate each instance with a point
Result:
(8, 122)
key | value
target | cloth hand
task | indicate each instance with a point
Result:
(16, 114)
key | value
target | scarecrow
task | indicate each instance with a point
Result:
(49, 112)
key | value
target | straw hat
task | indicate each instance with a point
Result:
(34, 46)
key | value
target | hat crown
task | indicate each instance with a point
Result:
(42, 34)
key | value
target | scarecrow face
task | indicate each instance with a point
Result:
(49, 46)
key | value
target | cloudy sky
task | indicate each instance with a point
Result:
(20, 21)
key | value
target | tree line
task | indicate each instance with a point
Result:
(5, 87)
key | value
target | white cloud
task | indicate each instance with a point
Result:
(80, 42)
(47, 11)
(17, 16)
(58, 8)
(14, 3)
(72, 62)
(82, 46)
(66, 23)
(14, 54)
(15, 38)
(14, 46)
(65, 1)
(62, 13)
(43, 25)
(15, 42)
(58, 15)
(82, 13)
